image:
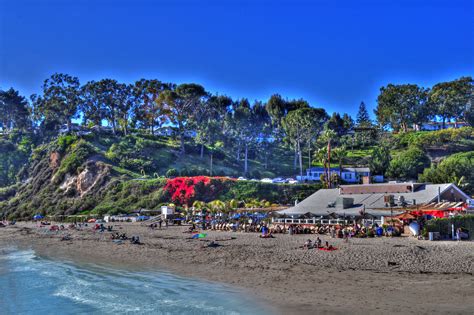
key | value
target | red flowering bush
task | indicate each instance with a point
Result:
(185, 190)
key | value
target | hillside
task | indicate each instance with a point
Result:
(103, 173)
(108, 174)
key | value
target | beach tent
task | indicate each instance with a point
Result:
(38, 217)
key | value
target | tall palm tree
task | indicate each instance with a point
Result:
(328, 136)
(339, 155)
(322, 156)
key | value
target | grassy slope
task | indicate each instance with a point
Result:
(136, 161)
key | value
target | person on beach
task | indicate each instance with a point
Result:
(318, 242)
(160, 223)
(327, 246)
(308, 244)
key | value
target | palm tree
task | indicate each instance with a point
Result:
(327, 136)
(322, 156)
(217, 206)
(199, 205)
(340, 154)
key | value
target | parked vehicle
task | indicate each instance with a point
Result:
(241, 178)
(266, 180)
(291, 181)
(279, 180)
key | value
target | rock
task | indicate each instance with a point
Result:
(54, 160)
(92, 173)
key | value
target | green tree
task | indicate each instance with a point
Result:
(149, 113)
(91, 104)
(278, 108)
(209, 120)
(300, 125)
(399, 106)
(363, 118)
(451, 99)
(408, 164)
(380, 160)
(339, 154)
(457, 168)
(107, 100)
(59, 101)
(338, 124)
(182, 105)
(14, 111)
(324, 153)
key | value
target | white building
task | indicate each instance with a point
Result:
(348, 174)
(436, 125)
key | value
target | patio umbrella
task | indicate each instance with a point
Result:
(405, 216)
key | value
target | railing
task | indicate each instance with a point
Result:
(321, 221)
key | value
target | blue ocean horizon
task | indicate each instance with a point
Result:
(30, 284)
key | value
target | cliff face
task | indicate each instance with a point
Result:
(59, 181)
(87, 180)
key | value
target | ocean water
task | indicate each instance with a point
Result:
(34, 285)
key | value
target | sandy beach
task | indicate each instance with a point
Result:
(363, 276)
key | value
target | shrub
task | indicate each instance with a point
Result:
(457, 168)
(185, 190)
(444, 225)
(172, 172)
(408, 164)
(71, 162)
(65, 142)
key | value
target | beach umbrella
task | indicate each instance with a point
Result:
(38, 217)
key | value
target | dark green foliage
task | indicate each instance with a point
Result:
(65, 141)
(380, 160)
(457, 168)
(455, 139)
(12, 159)
(172, 172)
(8, 192)
(408, 164)
(363, 118)
(275, 193)
(444, 226)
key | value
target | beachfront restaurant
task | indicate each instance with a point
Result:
(372, 203)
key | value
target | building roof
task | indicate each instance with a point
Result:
(344, 169)
(357, 169)
(323, 201)
(321, 169)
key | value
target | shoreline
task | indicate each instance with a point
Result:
(284, 277)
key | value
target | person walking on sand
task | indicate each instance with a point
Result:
(160, 223)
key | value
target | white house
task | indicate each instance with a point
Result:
(437, 125)
(348, 174)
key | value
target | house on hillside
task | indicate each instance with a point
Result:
(170, 131)
(348, 175)
(377, 200)
(436, 125)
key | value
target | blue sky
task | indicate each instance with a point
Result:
(332, 53)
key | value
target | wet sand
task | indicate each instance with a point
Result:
(363, 276)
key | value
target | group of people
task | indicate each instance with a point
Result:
(335, 231)
(317, 244)
(339, 231)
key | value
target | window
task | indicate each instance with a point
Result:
(347, 176)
